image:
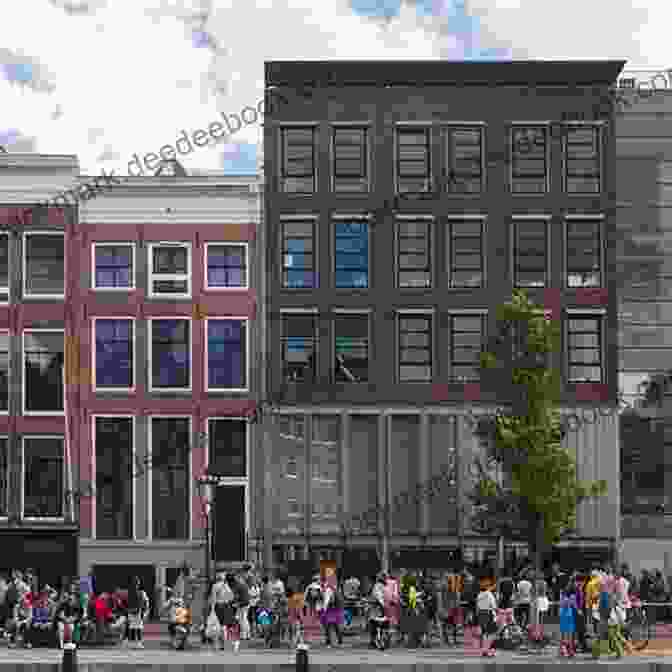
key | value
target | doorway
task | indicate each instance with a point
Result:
(229, 534)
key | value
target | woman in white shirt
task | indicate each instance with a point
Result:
(523, 600)
(486, 607)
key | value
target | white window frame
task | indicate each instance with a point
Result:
(546, 221)
(366, 126)
(417, 312)
(9, 471)
(151, 276)
(93, 354)
(589, 313)
(9, 334)
(574, 217)
(410, 125)
(54, 519)
(150, 477)
(600, 126)
(23, 372)
(134, 498)
(451, 219)
(235, 243)
(150, 341)
(9, 269)
(210, 390)
(549, 139)
(24, 261)
(97, 244)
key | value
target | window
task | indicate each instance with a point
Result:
(227, 447)
(582, 159)
(291, 468)
(294, 509)
(170, 354)
(43, 364)
(170, 446)
(350, 147)
(466, 258)
(466, 344)
(170, 269)
(4, 476)
(299, 348)
(113, 367)
(413, 160)
(4, 372)
(415, 348)
(351, 348)
(113, 266)
(4, 268)
(43, 468)
(298, 254)
(530, 252)
(529, 159)
(464, 159)
(226, 355)
(115, 481)
(44, 265)
(584, 348)
(352, 254)
(226, 265)
(414, 254)
(583, 252)
(298, 160)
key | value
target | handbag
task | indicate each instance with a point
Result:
(212, 627)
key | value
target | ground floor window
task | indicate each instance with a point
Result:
(43, 468)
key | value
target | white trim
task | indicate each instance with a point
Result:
(467, 311)
(94, 499)
(150, 341)
(24, 259)
(292, 311)
(291, 218)
(54, 519)
(150, 474)
(354, 215)
(208, 389)
(9, 269)
(529, 216)
(9, 372)
(235, 243)
(587, 216)
(586, 311)
(151, 276)
(353, 311)
(23, 372)
(133, 247)
(133, 354)
(414, 217)
(415, 311)
(509, 142)
(9, 470)
(415, 122)
(466, 216)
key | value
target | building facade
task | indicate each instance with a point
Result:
(402, 204)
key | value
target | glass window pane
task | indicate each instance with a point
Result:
(43, 477)
(227, 446)
(299, 345)
(170, 354)
(43, 371)
(351, 348)
(227, 266)
(45, 265)
(415, 348)
(352, 254)
(114, 353)
(298, 261)
(114, 266)
(4, 475)
(325, 474)
(4, 268)
(227, 356)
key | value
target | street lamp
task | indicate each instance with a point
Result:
(205, 485)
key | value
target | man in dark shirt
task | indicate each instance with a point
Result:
(556, 581)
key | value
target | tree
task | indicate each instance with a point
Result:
(539, 492)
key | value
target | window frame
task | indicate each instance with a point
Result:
(133, 247)
(300, 312)
(24, 390)
(288, 219)
(447, 130)
(452, 219)
(589, 314)
(151, 276)
(282, 177)
(365, 180)
(51, 519)
(134, 499)
(150, 345)
(345, 312)
(457, 313)
(24, 265)
(406, 219)
(598, 127)
(150, 477)
(134, 349)
(337, 219)
(236, 243)
(598, 219)
(515, 221)
(5, 234)
(529, 125)
(206, 377)
(414, 126)
(416, 312)
(5, 437)
(9, 372)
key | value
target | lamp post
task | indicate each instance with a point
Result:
(205, 485)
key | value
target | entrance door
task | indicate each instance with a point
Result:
(229, 536)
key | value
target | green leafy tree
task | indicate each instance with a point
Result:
(537, 494)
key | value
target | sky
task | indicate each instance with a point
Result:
(105, 80)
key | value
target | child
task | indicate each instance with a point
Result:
(568, 609)
(486, 606)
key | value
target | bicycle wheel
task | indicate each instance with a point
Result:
(638, 630)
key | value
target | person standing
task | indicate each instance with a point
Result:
(486, 606)
(242, 599)
(523, 601)
(332, 609)
(449, 610)
(568, 608)
(221, 601)
(138, 608)
(581, 614)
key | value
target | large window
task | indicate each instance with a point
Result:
(299, 175)
(466, 344)
(350, 160)
(226, 265)
(415, 347)
(115, 481)
(529, 159)
(414, 253)
(114, 353)
(113, 266)
(582, 159)
(44, 265)
(298, 254)
(4, 371)
(4, 476)
(466, 253)
(170, 354)
(583, 252)
(351, 348)
(43, 477)
(227, 447)
(352, 254)
(4, 267)
(530, 252)
(584, 348)
(464, 159)
(299, 347)
(227, 355)
(43, 364)
(325, 474)
(413, 160)
(171, 505)
(170, 270)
